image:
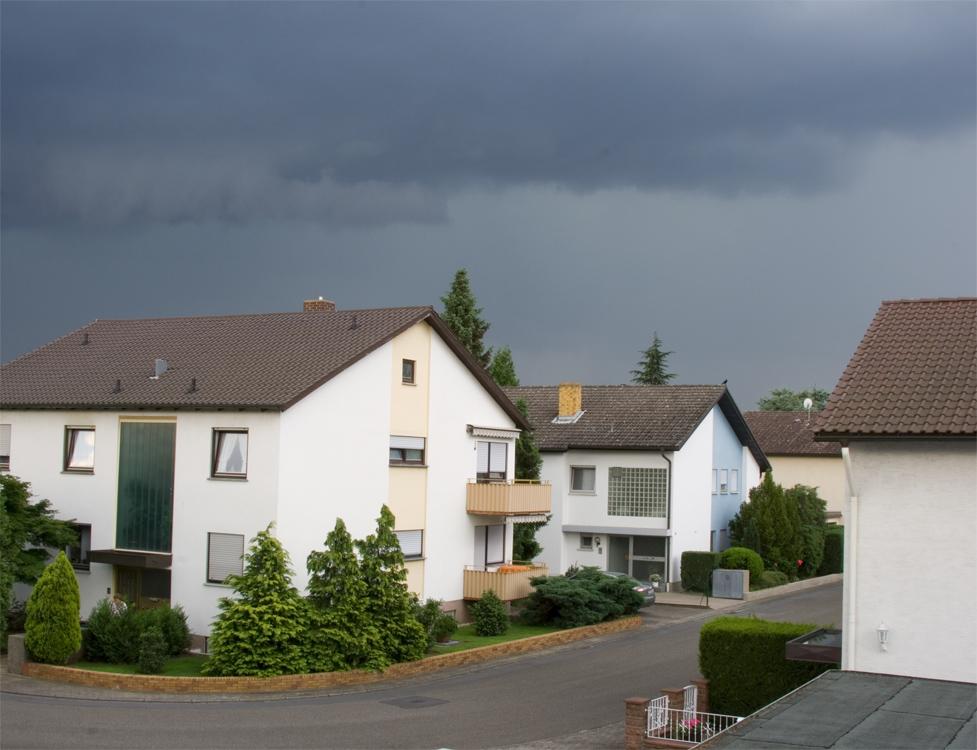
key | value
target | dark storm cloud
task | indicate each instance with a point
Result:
(353, 114)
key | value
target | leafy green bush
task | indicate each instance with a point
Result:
(489, 615)
(741, 558)
(53, 628)
(697, 570)
(115, 638)
(440, 626)
(834, 551)
(172, 622)
(152, 650)
(745, 663)
(583, 596)
(771, 578)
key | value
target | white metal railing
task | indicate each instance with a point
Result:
(679, 725)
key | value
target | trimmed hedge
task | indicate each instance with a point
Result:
(771, 579)
(744, 661)
(116, 638)
(741, 558)
(834, 551)
(697, 570)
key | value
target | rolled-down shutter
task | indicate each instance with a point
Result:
(411, 443)
(497, 458)
(495, 545)
(411, 542)
(224, 558)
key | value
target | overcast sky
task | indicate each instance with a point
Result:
(749, 179)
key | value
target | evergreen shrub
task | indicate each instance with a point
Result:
(115, 638)
(440, 626)
(772, 578)
(741, 558)
(489, 615)
(745, 663)
(834, 551)
(582, 596)
(53, 627)
(152, 650)
(697, 570)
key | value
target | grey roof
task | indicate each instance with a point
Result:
(914, 374)
(267, 360)
(631, 417)
(862, 710)
(788, 433)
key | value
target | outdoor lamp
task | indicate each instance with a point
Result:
(883, 635)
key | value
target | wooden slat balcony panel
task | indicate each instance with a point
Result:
(508, 586)
(509, 498)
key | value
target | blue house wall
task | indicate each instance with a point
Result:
(727, 453)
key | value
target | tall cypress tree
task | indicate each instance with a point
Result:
(503, 369)
(463, 317)
(53, 631)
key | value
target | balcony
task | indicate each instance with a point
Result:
(509, 582)
(511, 497)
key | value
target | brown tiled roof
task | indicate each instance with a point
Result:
(914, 373)
(233, 361)
(630, 417)
(788, 433)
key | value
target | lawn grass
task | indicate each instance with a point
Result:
(467, 639)
(178, 666)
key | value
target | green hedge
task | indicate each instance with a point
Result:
(697, 570)
(741, 558)
(834, 551)
(744, 661)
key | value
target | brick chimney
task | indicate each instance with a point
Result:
(571, 399)
(318, 305)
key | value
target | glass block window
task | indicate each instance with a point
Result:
(637, 492)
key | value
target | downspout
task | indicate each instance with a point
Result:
(668, 524)
(851, 546)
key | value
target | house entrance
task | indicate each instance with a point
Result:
(145, 588)
(639, 556)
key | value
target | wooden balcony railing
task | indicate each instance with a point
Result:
(512, 497)
(509, 582)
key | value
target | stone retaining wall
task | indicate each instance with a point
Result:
(153, 683)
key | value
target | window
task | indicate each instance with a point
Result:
(491, 461)
(225, 556)
(722, 540)
(734, 480)
(406, 451)
(723, 483)
(78, 554)
(715, 481)
(408, 371)
(411, 543)
(637, 492)
(4, 447)
(490, 545)
(79, 449)
(712, 542)
(583, 478)
(586, 541)
(230, 457)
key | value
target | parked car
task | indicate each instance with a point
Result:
(646, 589)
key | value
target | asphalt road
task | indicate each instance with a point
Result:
(549, 694)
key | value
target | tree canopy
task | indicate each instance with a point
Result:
(463, 317)
(653, 365)
(503, 369)
(784, 399)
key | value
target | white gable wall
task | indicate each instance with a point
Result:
(692, 494)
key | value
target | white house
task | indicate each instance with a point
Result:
(905, 413)
(640, 473)
(172, 442)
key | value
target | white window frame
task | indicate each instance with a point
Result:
(219, 434)
(485, 534)
(491, 461)
(734, 482)
(411, 543)
(587, 541)
(593, 475)
(723, 482)
(407, 451)
(73, 463)
(221, 551)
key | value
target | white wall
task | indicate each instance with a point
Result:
(917, 558)
(692, 495)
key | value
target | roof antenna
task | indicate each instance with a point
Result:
(353, 325)
(807, 405)
(118, 387)
(193, 386)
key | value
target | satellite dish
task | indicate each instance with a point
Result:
(808, 404)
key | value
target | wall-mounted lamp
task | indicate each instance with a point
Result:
(596, 540)
(883, 632)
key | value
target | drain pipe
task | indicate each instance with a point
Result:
(668, 525)
(851, 546)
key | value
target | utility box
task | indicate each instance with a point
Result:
(730, 584)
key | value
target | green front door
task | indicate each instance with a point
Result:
(144, 517)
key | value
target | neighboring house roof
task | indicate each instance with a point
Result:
(858, 709)
(267, 360)
(788, 433)
(631, 417)
(914, 374)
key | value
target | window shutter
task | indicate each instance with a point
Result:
(715, 482)
(4, 439)
(497, 457)
(482, 458)
(411, 542)
(410, 443)
(734, 480)
(224, 556)
(480, 545)
(495, 545)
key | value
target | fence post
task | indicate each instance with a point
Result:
(676, 697)
(635, 722)
(702, 704)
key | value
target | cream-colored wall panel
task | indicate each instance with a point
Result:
(415, 577)
(408, 492)
(827, 473)
(409, 402)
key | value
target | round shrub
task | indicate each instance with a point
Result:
(53, 627)
(152, 650)
(741, 558)
(489, 615)
(113, 638)
(172, 622)
(772, 578)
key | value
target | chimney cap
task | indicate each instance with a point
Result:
(318, 305)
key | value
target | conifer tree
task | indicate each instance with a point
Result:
(503, 369)
(652, 366)
(777, 527)
(261, 632)
(389, 604)
(528, 466)
(341, 637)
(463, 317)
(784, 399)
(53, 630)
